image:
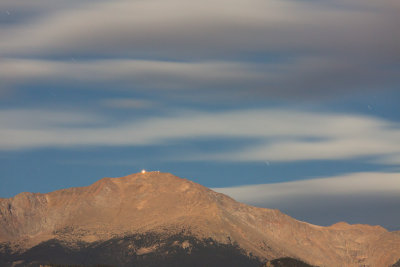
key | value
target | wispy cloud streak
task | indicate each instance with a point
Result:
(282, 135)
(326, 48)
(325, 201)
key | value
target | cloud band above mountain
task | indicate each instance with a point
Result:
(326, 47)
(280, 135)
(368, 198)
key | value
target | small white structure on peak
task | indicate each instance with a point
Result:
(143, 171)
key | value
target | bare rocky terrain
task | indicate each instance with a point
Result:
(157, 218)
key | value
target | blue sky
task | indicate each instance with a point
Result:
(229, 94)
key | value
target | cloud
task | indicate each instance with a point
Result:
(138, 73)
(390, 159)
(219, 79)
(135, 27)
(326, 48)
(337, 148)
(281, 135)
(127, 103)
(369, 198)
(26, 119)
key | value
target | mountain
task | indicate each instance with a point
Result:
(158, 219)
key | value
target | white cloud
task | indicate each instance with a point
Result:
(309, 76)
(28, 119)
(368, 183)
(357, 198)
(127, 103)
(202, 27)
(338, 148)
(136, 73)
(323, 47)
(285, 135)
(390, 159)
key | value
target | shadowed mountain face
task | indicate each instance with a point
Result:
(181, 221)
(147, 250)
(397, 264)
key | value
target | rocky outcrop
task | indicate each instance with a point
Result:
(397, 264)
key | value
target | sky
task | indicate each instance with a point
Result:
(282, 104)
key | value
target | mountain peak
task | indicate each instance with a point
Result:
(160, 180)
(151, 187)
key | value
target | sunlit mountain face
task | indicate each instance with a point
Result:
(158, 219)
(290, 105)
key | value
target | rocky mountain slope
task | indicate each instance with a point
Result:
(115, 212)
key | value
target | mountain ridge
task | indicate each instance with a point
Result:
(163, 203)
